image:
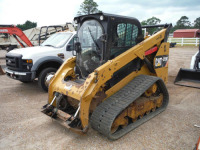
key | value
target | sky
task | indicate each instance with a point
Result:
(54, 12)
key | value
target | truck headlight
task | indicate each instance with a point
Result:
(27, 64)
(29, 61)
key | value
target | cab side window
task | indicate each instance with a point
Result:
(123, 38)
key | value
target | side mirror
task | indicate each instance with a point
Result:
(69, 47)
(77, 47)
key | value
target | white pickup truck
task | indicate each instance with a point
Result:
(27, 64)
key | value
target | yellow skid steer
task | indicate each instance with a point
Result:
(116, 81)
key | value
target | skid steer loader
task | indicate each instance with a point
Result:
(117, 80)
(190, 77)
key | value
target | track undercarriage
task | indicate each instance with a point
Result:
(142, 99)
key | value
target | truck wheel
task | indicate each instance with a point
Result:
(43, 75)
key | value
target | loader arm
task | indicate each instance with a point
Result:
(16, 32)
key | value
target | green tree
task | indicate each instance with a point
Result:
(27, 25)
(88, 7)
(197, 23)
(144, 22)
(183, 23)
(151, 21)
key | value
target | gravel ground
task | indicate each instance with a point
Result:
(23, 126)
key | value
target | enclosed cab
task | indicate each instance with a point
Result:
(104, 37)
(28, 64)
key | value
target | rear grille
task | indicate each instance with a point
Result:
(14, 61)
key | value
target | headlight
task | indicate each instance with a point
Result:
(27, 64)
(29, 61)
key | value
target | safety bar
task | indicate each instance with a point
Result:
(157, 25)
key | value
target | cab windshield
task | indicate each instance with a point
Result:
(57, 40)
(89, 36)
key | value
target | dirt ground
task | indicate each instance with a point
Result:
(23, 126)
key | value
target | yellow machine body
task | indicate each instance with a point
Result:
(88, 96)
(85, 93)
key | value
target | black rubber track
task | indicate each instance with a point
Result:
(105, 114)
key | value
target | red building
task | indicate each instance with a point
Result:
(187, 33)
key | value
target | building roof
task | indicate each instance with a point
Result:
(187, 30)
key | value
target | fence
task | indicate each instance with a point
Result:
(184, 41)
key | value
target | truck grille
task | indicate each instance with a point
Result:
(14, 61)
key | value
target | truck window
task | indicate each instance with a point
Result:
(72, 41)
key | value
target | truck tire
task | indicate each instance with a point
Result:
(43, 75)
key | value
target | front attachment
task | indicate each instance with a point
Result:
(188, 78)
(64, 113)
